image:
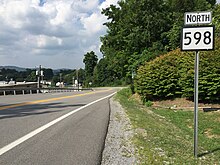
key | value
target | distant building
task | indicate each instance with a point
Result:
(60, 84)
(2, 83)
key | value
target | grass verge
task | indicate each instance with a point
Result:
(164, 136)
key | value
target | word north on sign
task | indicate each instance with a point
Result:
(198, 18)
(197, 38)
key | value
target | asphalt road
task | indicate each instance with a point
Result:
(57, 129)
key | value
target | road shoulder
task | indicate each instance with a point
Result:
(118, 144)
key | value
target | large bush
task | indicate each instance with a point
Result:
(172, 75)
(158, 78)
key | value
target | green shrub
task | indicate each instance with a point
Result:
(158, 78)
(148, 103)
(172, 75)
(209, 76)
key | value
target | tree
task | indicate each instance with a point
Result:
(90, 60)
(141, 30)
(102, 73)
(216, 19)
(55, 79)
(212, 2)
(81, 75)
(48, 73)
(31, 75)
(133, 27)
(68, 78)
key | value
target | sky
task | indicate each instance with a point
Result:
(52, 33)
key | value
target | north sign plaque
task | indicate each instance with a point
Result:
(197, 18)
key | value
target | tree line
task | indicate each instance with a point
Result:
(138, 31)
(29, 75)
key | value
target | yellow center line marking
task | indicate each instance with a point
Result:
(48, 100)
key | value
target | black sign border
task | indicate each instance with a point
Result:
(181, 41)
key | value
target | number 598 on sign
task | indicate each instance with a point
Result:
(197, 38)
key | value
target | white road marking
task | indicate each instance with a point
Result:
(57, 94)
(42, 128)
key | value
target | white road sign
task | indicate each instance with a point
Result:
(197, 38)
(198, 18)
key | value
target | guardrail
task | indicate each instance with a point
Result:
(16, 91)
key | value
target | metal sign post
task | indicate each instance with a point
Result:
(196, 98)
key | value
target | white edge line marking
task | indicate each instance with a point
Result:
(42, 128)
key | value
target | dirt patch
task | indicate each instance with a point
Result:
(136, 97)
(182, 103)
(210, 135)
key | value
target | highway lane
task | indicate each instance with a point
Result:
(77, 139)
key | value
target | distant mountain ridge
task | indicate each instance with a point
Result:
(20, 69)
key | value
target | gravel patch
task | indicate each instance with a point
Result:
(119, 149)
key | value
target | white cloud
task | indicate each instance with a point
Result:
(93, 23)
(85, 5)
(47, 42)
(107, 3)
(63, 14)
(53, 33)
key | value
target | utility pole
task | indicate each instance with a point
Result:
(39, 74)
(60, 79)
(77, 74)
